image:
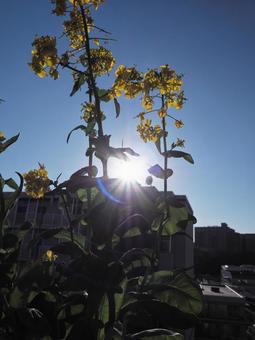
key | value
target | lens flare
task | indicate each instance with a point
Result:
(132, 170)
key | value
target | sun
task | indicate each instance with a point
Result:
(131, 170)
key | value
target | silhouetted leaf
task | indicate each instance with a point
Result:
(153, 312)
(117, 107)
(6, 203)
(74, 184)
(11, 184)
(91, 170)
(78, 242)
(179, 154)
(158, 172)
(103, 95)
(79, 127)
(81, 79)
(121, 153)
(158, 145)
(8, 142)
(44, 235)
(156, 334)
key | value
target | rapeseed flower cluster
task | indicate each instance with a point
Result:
(147, 131)
(73, 29)
(95, 3)
(44, 57)
(128, 80)
(102, 60)
(60, 7)
(37, 182)
(88, 110)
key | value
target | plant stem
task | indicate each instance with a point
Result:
(93, 85)
(89, 190)
(67, 215)
(91, 75)
(165, 150)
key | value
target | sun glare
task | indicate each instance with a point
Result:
(132, 170)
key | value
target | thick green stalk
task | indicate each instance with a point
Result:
(91, 75)
(67, 215)
(92, 82)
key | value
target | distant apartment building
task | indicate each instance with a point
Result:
(217, 245)
(218, 239)
(223, 316)
(248, 243)
(241, 279)
(176, 251)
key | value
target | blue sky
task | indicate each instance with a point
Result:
(211, 42)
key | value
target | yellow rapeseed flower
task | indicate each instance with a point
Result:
(50, 256)
(178, 123)
(96, 42)
(147, 103)
(37, 182)
(180, 143)
(162, 112)
(95, 3)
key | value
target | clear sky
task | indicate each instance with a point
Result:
(212, 42)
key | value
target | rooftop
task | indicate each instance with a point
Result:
(221, 294)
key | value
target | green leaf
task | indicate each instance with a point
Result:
(136, 258)
(8, 142)
(79, 127)
(117, 107)
(121, 153)
(103, 95)
(17, 298)
(78, 241)
(81, 79)
(136, 220)
(156, 334)
(148, 310)
(177, 289)
(179, 154)
(178, 219)
(11, 184)
(39, 275)
(7, 203)
(82, 194)
(44, 235)
(158, 144)
(90, 127)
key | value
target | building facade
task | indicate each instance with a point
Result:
(47, 213)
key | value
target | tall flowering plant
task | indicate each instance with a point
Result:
(104, 290)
